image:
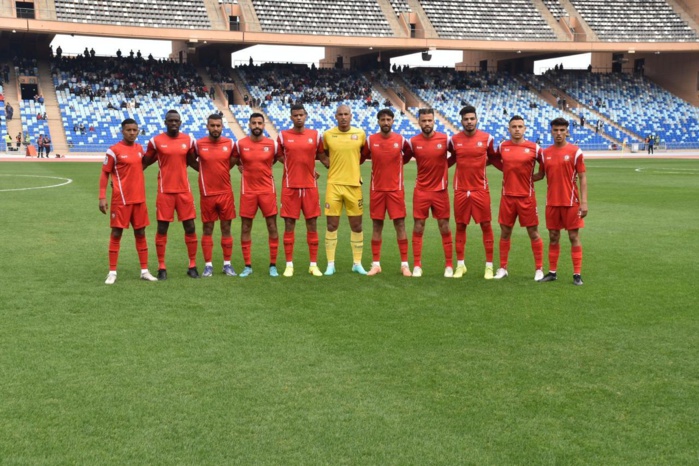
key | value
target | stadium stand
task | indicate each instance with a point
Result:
(400, 6)
(183, 14)
(492, 20)
(556, 9)
(319, 17)
(31, 125)
(497, 97)
(636, 104)
(634, 20)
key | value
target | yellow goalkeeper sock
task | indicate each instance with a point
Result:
(357, 240)
(330, 245)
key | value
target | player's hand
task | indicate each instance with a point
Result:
(583, 210)
(240, 168)
(317, 175)
(103, 206)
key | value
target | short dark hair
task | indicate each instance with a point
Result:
(516, 117)
(425, 111)
(560, 121)
(467, 109)
(256, 115)
(128, 121)
(297, 107)
(214, 116)
(172, 111)
(385, 111)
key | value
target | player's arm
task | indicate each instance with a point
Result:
(496, 159)
(193, 158)
(150, 156)
(490, 152)
(366, 153)
(451, 157)
(540, 159)
(234, 158)
(582, 177)
(322, 153)
(407, 151)
(104, 182)
(279, 155)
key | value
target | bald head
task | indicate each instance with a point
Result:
(343, 116)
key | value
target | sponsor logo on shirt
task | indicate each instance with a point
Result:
(123, 156)
(163, 146)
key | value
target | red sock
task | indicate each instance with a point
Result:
(114, 245)
(273, 250)
(554, 252)
(142, 250)
(488, 241)
(403, 249)
(207, 247)
(376, 250)
(460, 244)
(448, 246)
(246, 246)
(576, 254)
(191, 241)
(417, 249)
(504, 252)
(289, 239)
(312, 240)
(160, 246)
(538, 250)
(227, 247)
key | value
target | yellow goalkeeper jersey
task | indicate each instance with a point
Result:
(344, 150)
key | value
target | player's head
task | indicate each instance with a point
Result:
(516, 128)
(129, 130)
(559, 131)
(173, 122)
(343, 116)
(469, 118)
(214, 125)
(385, 117)
(256, 124)
(425, 117)
(298, 116)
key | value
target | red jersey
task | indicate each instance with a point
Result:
(257, 159)
(124, 163)
(214, 165)
(562, 165)
(171, 154)
(518, 162)
(386, 154)
(431, 157)
(299, 151)
(472, 154)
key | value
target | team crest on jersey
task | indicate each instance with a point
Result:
(355, 137)
(225, 148)
(480, 144)
(327, 206)
(526, 151)
(310, 140)
(566, 158)
(439, 146)
(106, 160)
(140, 155)
(184, 146)
(266, 149)
(395, 145)
(113, 215)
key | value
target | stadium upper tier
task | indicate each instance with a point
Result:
(635, 103)
(184, 14)
(496, 97)
(634, 20)
(492, 20)
(356, 18)
(556, 9)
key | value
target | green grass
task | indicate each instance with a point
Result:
(349, 369)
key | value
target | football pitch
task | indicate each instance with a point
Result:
(350, 369)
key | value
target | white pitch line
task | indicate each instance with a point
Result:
(66, 181)
(669, 171)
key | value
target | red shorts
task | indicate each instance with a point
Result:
(472, 205)
(564, 218)
(217, 207)
(522, 207)
(166, 204)
(381, 202)
(123, 215)
(250, 202)
(297, 200)
(438, 201)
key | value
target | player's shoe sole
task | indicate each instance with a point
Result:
(549, 277)
(460, 271)
(375, 270)
(289, 272)
(315, 271)
(501, 273)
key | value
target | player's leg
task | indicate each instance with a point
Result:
(460, 246)
(312, 240)
(289, 239)
(227, 247)
(402, 238)
(576, 254)
(191, 241)
(354, 203)
(418, 232)
(273, 239)
(142, 251)
(376, 234)
(114, 247)
(207, 248)
(537, 250)
(246, 243)
(161, 247)
(333, 209)
(505, 237)
(554, 252)
(488, 243)
(447, 246)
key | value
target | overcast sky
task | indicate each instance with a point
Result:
(276, 53)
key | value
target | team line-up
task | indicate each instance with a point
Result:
(342, 150)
